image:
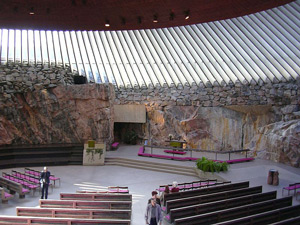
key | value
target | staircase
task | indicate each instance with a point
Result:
(153, 166)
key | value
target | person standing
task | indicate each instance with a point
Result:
(153, 213)
(45, 181)
(154, 196)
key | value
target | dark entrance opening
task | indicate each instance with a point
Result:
(129, 133)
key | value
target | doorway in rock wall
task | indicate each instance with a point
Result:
(129, 133)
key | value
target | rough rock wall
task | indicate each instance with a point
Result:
(63, 114)
(279, 142)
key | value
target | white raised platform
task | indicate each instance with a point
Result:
(94, 157)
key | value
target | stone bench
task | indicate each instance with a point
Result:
(269, 217)
(79, 204)
(75, 213)
(175, 152)
(236, 212)
(13, 187)
(204, 198)
(5, 196)
(62, 221)
(198, 209)
(96, 196)
(208, 190)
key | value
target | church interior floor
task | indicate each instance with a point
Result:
(142, 182)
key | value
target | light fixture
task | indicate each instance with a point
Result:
(107, 23)
(172, 16)
(187, 14)
(139, 19)
(31, 11)
(123, 20)
(155, 18)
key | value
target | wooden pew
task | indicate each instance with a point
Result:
(236, 212)
(269, 217)
(204, 198)
(49, 203)
(208, 190)
(74, 213)
(13, 187)
(96, 196)
(290, 221)
(61, 221)
(193, 210)
(5, 196)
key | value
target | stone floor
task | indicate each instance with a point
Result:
(142, 182)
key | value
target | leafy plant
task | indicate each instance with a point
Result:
(207, 165)
(94, 151)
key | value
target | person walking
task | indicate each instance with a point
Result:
(153, 213)
(45, 181)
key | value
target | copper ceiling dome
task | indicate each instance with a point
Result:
(122, 14)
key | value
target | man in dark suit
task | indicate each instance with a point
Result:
(45, 181)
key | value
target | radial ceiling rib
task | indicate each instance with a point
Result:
(261, 46)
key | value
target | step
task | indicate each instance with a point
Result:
(152, 169)
(147, 163)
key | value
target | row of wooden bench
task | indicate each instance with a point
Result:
(228, 204)
(76, 208)
(193, 185)
(13, 188)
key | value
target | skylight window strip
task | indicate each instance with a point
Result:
(167, 59)
(1, 46)
(80, 50)
(276, 46)
(191, 53)
(15, 41)
(7, 57)
(48, 48)
(37, 49)
(129, 58)
(28, 50)
(165, 69)
(24, 46)
(86, 55)
(236, 50)
(183, 54)
(248, 50)
(93, 60)
(120, 55)
(212, 53)
(176, 55)
(60, 48)
(73, 55)
(206, 47)
(98, 59)
(265, 45)
(257, 48)
(102, 53)
(17, 46)
(56, 47)
(141, 75)
(285, 18)
(235, 70)
(200, 57)
(117, 61)
(138, 56)
(30, 40)
(111, 62)
(282, 33)
(42, 59)
(149, 61)
(4, 46)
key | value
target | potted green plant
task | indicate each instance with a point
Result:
(131, 137)
(207, 165)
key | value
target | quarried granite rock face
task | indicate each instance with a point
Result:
(279, 142)
(208, 128)
(64, 114)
